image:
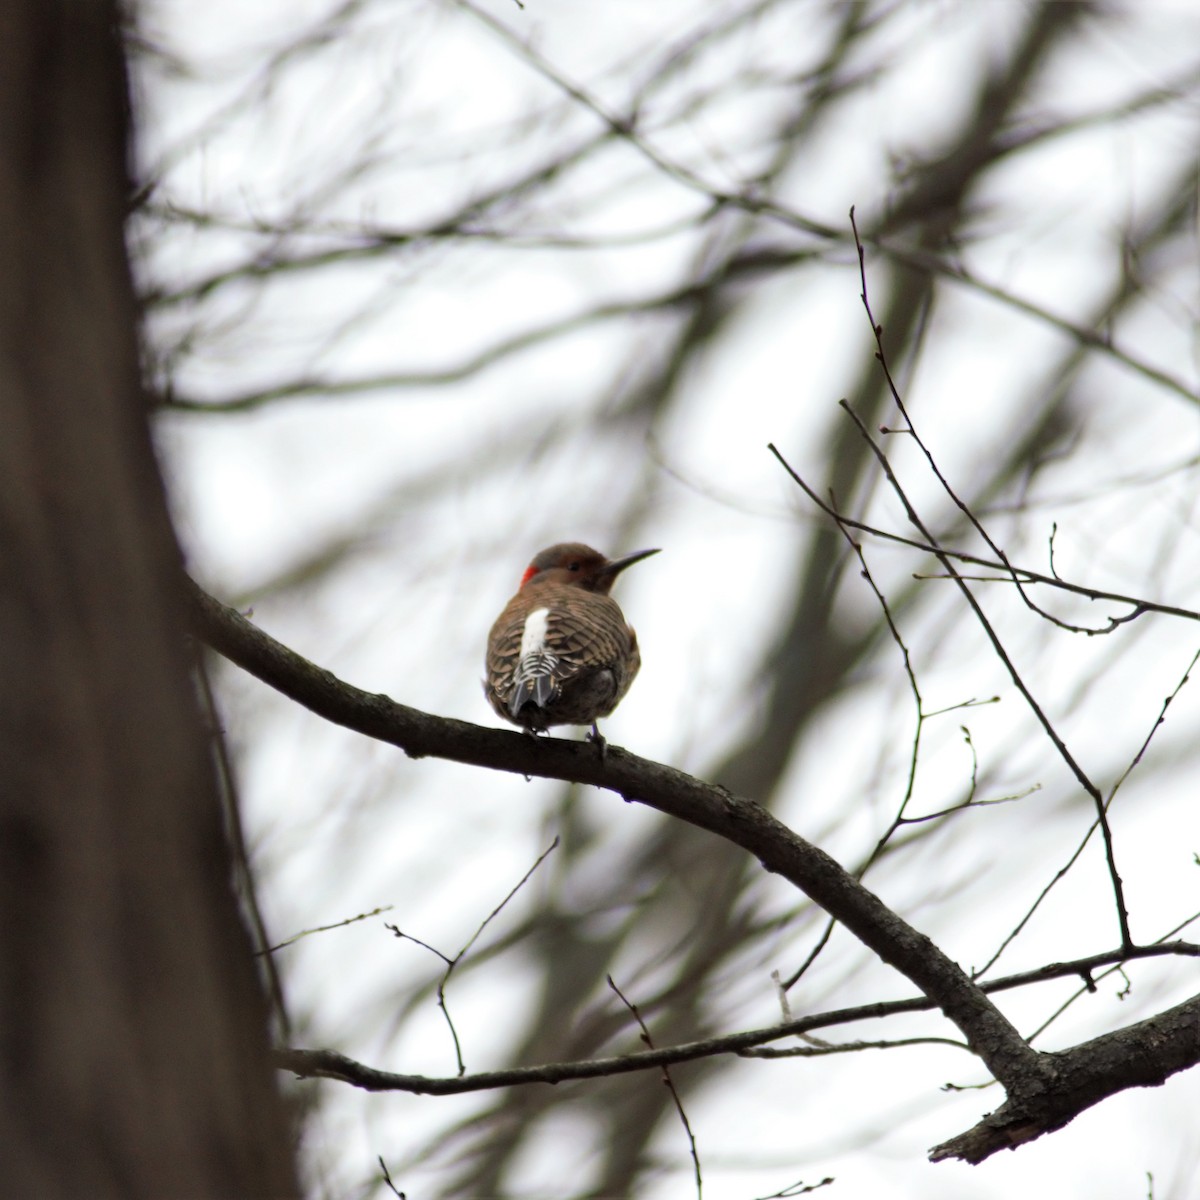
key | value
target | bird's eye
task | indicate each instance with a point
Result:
(573, 566)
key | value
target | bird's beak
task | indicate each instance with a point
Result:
(611, 570)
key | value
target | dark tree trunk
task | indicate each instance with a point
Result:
(132, 1029)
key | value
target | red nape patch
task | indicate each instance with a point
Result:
(530, 572)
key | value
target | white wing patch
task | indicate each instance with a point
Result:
(533, 640)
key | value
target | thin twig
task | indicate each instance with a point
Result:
(919, 726)
(451, 963)
(824, 1049)
(800, 1188)
(1084, 781)
(388, 1180)
(1090, 982)
(1062, 871)
(1162, 716)
(970, 802)
(1029, 576)
(325, 928)
(668, 1081)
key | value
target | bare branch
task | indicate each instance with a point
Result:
(328, 1064)
(1044, 1090)
(1139, 604)
(738, 820)
(325, 928)
(668, 1081)
(1059, 744)
(1141, 1055)
(451, 963)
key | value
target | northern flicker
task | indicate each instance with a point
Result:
(561, 652)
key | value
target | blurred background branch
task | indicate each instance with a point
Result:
(430, 286)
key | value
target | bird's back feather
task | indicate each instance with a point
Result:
(581, 666)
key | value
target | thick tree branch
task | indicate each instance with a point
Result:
(710, 807)
(1143, 1055)
(1044, 1090)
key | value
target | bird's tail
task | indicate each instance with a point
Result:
(534, 680)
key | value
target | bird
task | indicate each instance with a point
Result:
(561, 651)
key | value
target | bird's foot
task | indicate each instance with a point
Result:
(596, 737)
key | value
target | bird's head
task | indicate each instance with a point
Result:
(578, 565)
